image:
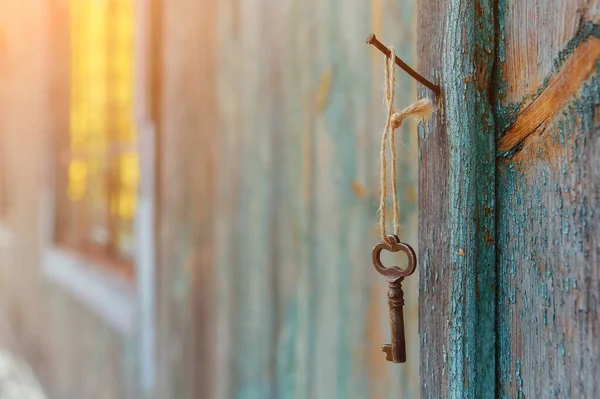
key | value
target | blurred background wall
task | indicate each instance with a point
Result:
(188, 195)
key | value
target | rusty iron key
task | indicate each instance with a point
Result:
(396, 352)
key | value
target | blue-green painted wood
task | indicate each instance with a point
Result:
(301, 312)
(548, 207)
(456, 181)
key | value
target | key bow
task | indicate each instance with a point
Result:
(394, 273)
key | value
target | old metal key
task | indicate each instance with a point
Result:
(396, 352)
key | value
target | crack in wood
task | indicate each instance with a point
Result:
(560, 90)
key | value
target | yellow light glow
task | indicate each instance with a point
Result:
(102, 94)
(103, 172)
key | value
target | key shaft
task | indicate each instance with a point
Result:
(396, 352)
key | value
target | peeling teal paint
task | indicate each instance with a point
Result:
(542, 244)
(506, 113)
(299, 288)
(550, 185)
(470, 359)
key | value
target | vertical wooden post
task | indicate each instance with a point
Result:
(188, 121)
(456, 202)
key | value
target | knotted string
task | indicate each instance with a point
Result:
(420, 109)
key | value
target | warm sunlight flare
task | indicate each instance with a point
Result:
(103, 170)
(215, 199)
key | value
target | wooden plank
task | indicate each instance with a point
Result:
(227, 192)
(301, 312)
(398, 21)
(456, 179)
(292, 145)
(298, 299)
(253, 325)
(559, 90)
(248, 307)
(548, 185)
(189, 120)
(531, 34)
(351, 315)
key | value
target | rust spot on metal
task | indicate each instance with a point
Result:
(560, 89)
(372, 39)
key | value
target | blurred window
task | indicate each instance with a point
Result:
(98, 163)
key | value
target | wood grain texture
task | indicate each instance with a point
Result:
(559, 90)
(188, 122)
(531, 34)
(456, 184)
(269, 119)
(301, 311)
(548, 201)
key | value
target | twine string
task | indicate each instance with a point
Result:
(419, 109)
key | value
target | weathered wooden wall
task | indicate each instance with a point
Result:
(456, 202)
(299, 311)
(548, 124)
(269, 116)
(188, 125)
(526, 73)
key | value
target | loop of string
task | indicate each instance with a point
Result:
(420, 109)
